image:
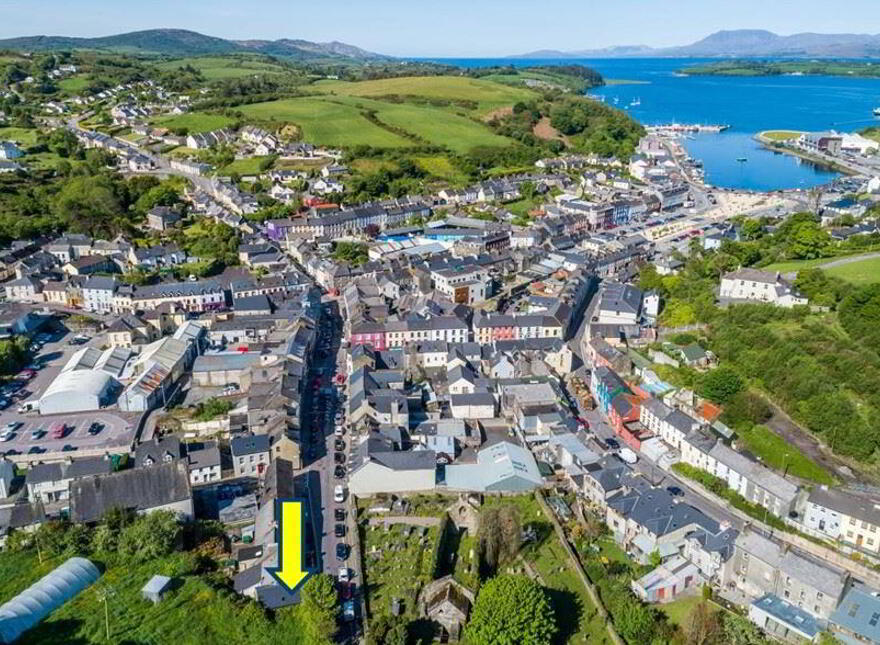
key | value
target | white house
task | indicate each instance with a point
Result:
(759, 286)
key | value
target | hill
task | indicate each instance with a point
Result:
(743, 43)
(181, 42)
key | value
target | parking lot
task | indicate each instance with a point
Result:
(49, 355)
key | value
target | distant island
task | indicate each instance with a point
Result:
(783, 68)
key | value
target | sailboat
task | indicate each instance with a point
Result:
(877, 111)
(635, 102)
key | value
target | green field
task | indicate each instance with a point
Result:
(326, 123)
(487, 94)
(782, 456)
(23, 136)
(194, 121)
(440, 127)
(249, 166)
(195, 612)
(218, 67)
(859, 273)
(441, 167)
(74, 83)
(781, 135)
(795, 265)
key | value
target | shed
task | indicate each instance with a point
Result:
(157, 587)
(46, 595)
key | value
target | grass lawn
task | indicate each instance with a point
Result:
(795, 265)
(677, 611)
(325, 122)
(194, 121)
(489, 95)
(249, 166)
(368, 166)
(219, 67)
(778, 454)
(23, 136)
(781, 135)
(859, 273)
(195, 612)
(74, 84)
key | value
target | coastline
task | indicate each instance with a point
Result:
(780, 146)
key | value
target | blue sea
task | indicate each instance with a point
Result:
(748, 104)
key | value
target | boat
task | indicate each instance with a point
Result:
(877, 111)
(742, 159)
(616, 100)
(635, 102)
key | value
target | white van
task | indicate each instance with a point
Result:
(29, 406)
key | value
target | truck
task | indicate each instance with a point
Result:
(29, 406)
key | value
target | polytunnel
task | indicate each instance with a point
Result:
(46, 595)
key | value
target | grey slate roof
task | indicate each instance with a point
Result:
(59, 471)
(140, 489)
(858, 612)
(250, 445)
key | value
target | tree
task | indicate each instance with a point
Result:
(740, 631)
(89, 205)
(721, 384)
(511, 609)
(150, 536)
(319, 606)
(499, 537)
(703, 626)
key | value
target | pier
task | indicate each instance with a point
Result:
(686, 128)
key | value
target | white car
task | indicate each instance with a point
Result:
(6, 435)
(339, 494)
(343, 574)
(339, 431)
(12, 426)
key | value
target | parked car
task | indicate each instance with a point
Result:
(339, 457)
(57, 430)
(339, 514)
(95, 428)
(339, 472)
(348, 611)
(339, 444)
(675, 491)
(37, 434)
(339, 530)
(343, 574)
(339, 494)
(342, 552)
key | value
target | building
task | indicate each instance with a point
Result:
(78, 390)
(827, 142)
(857, 618)
(447, 603)
(9, 150)
(98, 293)
(49, 483)
(501, 467)
(250, 455)
(378, 465)
(142, 490)
(784, 621)
(752, 285)
(850, 517)
(162, 218)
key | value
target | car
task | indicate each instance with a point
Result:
(348, 611)
(613, 444)
(68, 448)
(95, 428)
(35, 450)
(339, 514)
(12, 426)
(675, 491)
(342, 552)
(4, 403)
(38, 433)
(338, 494)
(339, 457)
(339, 444)
(57, 430)
(343, 574)
(339, 472)
(339, 530)
(6, 435)
(339, 431)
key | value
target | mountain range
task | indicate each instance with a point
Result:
(180, 42)
(741, 43)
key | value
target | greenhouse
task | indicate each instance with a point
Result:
(43, 597)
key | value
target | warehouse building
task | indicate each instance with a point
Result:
(79, 391)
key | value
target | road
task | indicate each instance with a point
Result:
(319, 464)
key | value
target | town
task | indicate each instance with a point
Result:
(481, 380)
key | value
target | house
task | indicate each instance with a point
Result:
(203, 462)
(98, 293)
(25, 289)
(857, 618)
(250, 455)
(668, 581)
(49, 484)
(143, 490)
(130, 330)
(477, 405)
(671, 425)
(762, 565)
(7, 474)
(90, 264)
(784, 621)
(850, 517)
(752, 285)
(157, 451)
(9, 150)
(162, 218)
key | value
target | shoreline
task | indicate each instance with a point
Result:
(780, 146)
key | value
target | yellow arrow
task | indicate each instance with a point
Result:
(291, 542)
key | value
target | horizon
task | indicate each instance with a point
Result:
(393, 27)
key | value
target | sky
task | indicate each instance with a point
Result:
(452, 28)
